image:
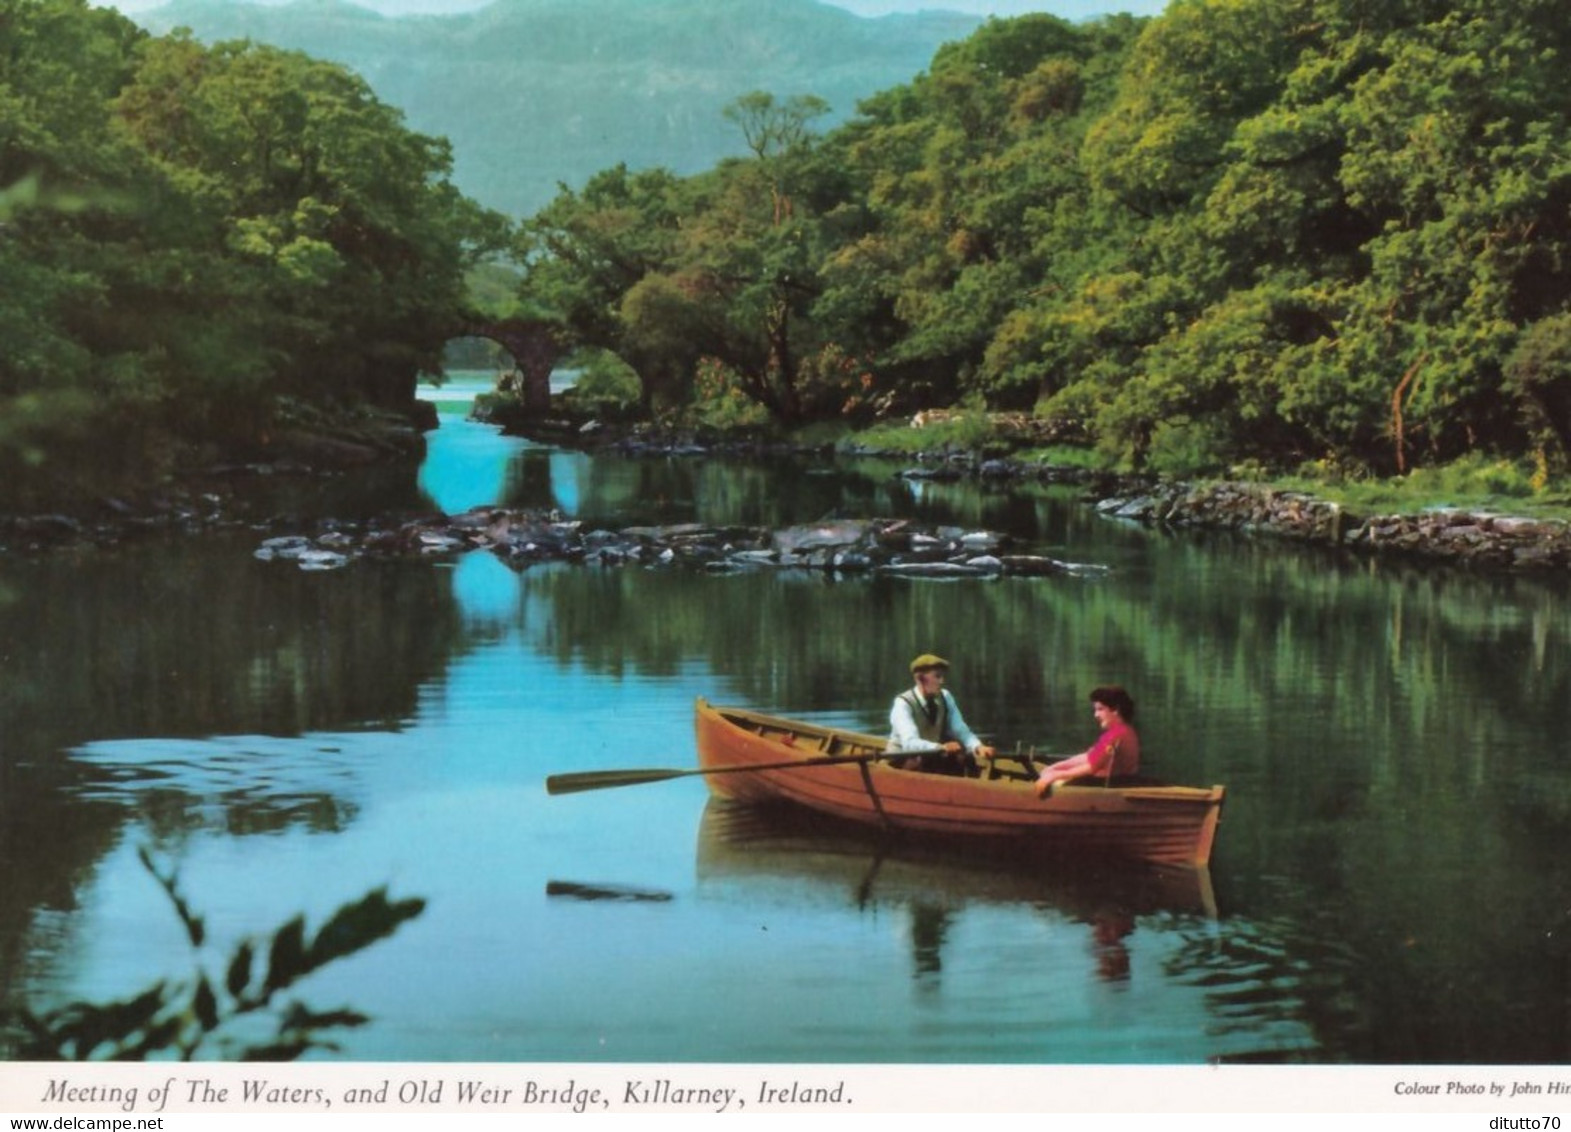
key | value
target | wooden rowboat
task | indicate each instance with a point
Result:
(1130, 819)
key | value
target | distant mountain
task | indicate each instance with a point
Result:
(536, 92)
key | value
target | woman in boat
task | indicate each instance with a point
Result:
(1116, 752)
(926, 721)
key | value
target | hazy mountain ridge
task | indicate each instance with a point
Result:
(536, 92)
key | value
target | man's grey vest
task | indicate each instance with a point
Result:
(933, 727)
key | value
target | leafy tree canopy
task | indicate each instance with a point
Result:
(1309, 228)
(188, 233)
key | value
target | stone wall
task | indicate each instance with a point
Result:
(1446, 533)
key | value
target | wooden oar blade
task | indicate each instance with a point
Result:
(606, 779)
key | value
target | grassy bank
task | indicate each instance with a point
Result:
(1525, 486)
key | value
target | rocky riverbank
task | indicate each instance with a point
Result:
(114, 519)
(208, 493)
(1462, 536)
(214, 496)
(1451, 534)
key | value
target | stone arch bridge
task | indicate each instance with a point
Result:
(536, 347)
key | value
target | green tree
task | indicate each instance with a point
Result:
(345, 218)
(1391, 186)
(190, 233)
(978, 204)
(1538, 375)
(587, 250)
(775, 133)
(1278, 230)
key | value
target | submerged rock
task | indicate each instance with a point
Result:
(322, 560)
(619, 892)
(287, 546)
(933, 570)
(836, 535)
(523, 538)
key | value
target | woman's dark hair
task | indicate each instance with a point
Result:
(1116, 698)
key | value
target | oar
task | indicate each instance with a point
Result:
(605, 779)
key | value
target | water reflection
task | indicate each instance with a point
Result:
(1153, 932)
(486, 590)
(462, 468)
(1390, 869)
(192, 637)
(827, 859)
(242, 785)
(116, 669)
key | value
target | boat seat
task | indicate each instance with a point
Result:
(1118, 781)
(995, 772)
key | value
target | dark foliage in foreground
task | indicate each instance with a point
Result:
(200, 1016)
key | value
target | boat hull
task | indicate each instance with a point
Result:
(1158, 823)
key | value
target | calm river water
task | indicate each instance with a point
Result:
(1391, 883)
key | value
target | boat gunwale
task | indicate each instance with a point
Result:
(1149, 790)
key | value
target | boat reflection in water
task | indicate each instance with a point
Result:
(800, 856)
(1018, 955)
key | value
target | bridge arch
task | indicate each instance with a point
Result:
(536, 347)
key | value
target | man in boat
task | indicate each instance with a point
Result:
(926, 722)
(1116, 752)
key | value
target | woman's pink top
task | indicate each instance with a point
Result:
(1121, 744)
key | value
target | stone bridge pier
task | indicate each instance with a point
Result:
(536, 347)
